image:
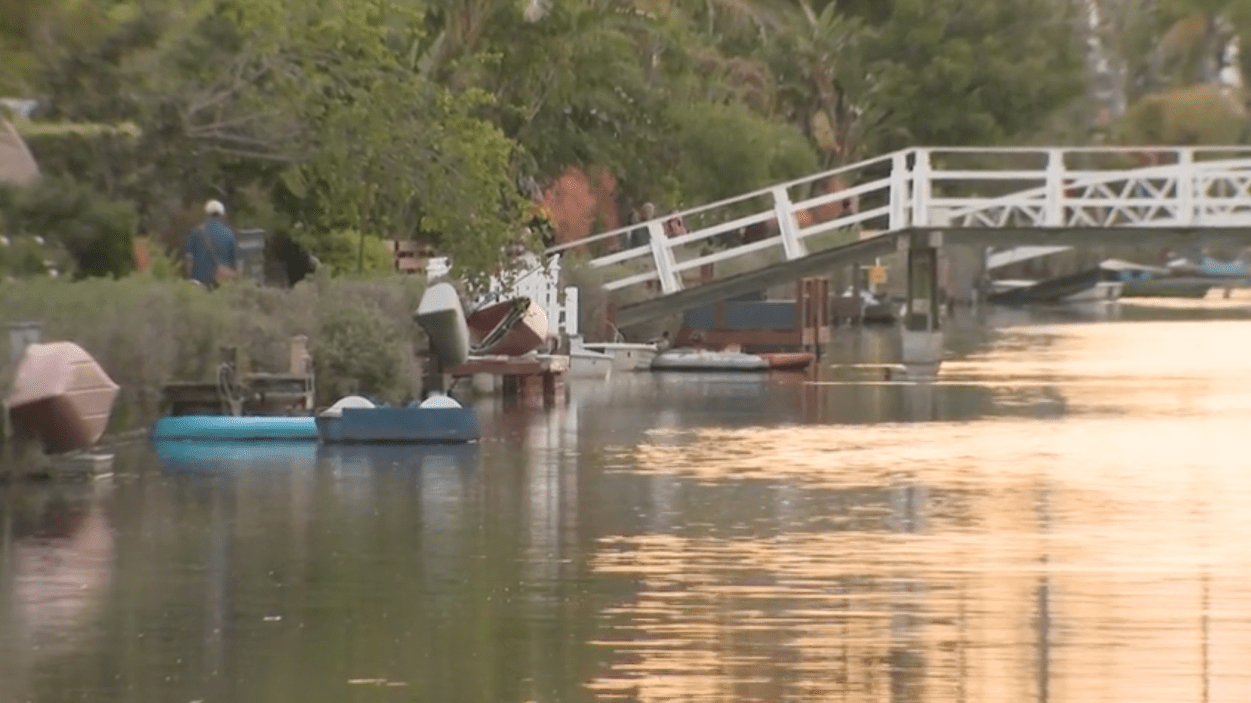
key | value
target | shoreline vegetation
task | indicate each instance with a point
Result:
(146, 332)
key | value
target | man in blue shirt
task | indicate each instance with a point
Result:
(211, 253)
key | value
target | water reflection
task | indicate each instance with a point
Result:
(57, 557)
(1056, 517)
(997, 560)
(195, 456)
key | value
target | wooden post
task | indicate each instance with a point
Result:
(855, 294)
(299, 355)
(21, 336)
(802, 312)
(923, 309)
(610, 322)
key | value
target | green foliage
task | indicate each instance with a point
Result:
(727, 150)
(25, 256)
(1199, 115)
(357, 352)
(953, 72)
(146, 332)
(341, 251)
(415, 120)
(95, 231)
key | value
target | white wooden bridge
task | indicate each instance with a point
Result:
(982, 196)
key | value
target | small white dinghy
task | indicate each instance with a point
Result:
(626, 356)
(683, 359)
(588, 363)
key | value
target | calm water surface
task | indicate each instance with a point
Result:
(1062, 516)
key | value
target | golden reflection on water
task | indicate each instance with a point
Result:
(1094, 556)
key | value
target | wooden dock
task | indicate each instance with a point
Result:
(539, 377)
(257, 393)
(764, 325)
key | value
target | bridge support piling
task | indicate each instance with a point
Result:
(921, 335)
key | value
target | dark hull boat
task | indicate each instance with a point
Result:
(510, 328)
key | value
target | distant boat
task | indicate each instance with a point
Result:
(1208, 267)
(687, 359)
(588, 363)
(1102, 283)
(510, 328)
(441, 316)
(626, 356)
(61, 396)
(788, 361)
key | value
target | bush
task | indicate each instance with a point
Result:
(341, 250)
(96, 231)
(22, 256)
(1195, 115)
(147, 332)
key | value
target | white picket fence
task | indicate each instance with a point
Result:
(539, 282)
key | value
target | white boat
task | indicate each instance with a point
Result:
(684, 359)
(688, 359)
(440, 314)
(1103, 291)
(626, 356)
(584, 363)
(1101, 284)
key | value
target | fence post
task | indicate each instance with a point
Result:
(662, 256)
(1187, 212)
(571, 319)
(921, 189)
(1053, 215)
(788, 226)
(899, 195)
(21, 336)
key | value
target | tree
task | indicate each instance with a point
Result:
(965, 72)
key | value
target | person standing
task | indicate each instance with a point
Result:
(211, 252)
(640, 236)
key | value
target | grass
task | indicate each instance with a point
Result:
(146, 332)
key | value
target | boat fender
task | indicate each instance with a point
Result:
(438, 400)
(351, 401)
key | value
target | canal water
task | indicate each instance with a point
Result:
(1061, 516)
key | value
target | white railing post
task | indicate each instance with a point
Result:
(788, 226)
(551, 285)
(1186, 211)
(899, 195)
(571, 311)
(1053, 192)
(921, 189)
(662, 255)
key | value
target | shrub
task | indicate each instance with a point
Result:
(96, 231)
(341, 250)
(146, 331)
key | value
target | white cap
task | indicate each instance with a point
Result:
(214, 207)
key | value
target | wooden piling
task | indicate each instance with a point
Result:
(535, 379)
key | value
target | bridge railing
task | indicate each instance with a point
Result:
(782, 222)
(931, 187)
(1082, 186)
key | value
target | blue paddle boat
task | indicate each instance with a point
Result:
(221, 428)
